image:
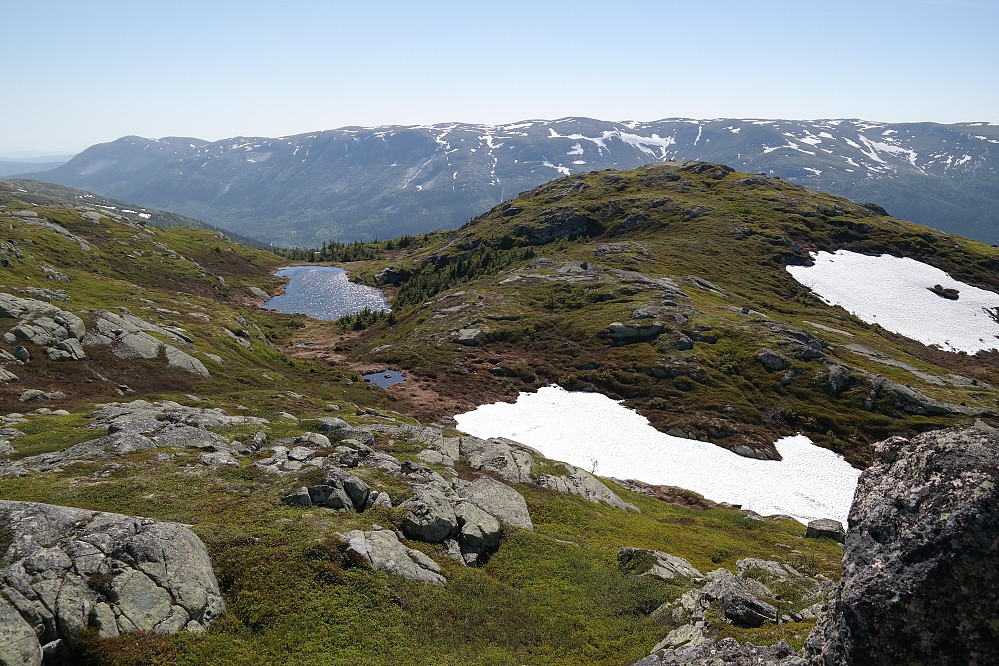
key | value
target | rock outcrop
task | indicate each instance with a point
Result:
(129, 337)
(921, 565)
(656, 564)
(69, 569)
(507, 459)
(382, 550)
(580, 482)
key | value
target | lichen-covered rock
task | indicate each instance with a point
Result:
(741, 600)
(129, 337)
(430, 518)
(656, 564)
(921, 564)
(503, 457)
(341, 491)
(478, 532)
(582, 483)
(383, 551)
(498, 500)
(337, 430)
(68, 569)
(771, 360)
(726, 652)
(826, 528)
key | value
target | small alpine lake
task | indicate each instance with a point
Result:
(324, 293)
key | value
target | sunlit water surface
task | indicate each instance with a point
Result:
(325, 293)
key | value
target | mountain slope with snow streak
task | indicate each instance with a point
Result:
(364, 182)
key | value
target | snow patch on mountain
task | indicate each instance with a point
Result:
(894, 292)
(591, 431)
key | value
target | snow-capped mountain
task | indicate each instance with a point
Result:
(364, 182)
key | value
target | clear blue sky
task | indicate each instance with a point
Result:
(78, 73)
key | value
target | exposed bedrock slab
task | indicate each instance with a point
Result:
(69, 569)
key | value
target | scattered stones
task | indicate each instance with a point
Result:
(341, 491)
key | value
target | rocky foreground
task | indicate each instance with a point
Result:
(919, 582)
(920, 569)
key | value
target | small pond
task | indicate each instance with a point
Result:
(325, 293)
(385, 378)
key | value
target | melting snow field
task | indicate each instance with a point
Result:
(894, 293)
(589, 429)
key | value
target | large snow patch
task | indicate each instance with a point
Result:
(894, 292)
(592, 431)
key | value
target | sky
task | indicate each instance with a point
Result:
(80, 73)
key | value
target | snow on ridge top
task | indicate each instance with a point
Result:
(895, 293)
(874, 146)
(596, 433)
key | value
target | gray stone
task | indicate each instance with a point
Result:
(726, 652)
(582, 483)
(157, 576)
(741, 602)
(31, 395)
(771, 360)
(478, 532)
(826, 528)
(498, 500)
(337, 430)
(18, 642)
(341, 491)
(467, 336)
(657, 565)
(623, 334)
(300, 497)
(686, 635)
(382, 550)
(218, 459)
(502, 457)
(920, 582)
(430, 517)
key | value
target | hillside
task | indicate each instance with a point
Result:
(662, 286)
(361, 183)
(347, 524)
(36, 193)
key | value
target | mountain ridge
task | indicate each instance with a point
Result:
(362, 182)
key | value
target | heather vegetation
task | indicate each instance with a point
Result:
(660, 286)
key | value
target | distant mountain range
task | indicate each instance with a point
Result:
(17, 192)
(10, 165)
(365, 182)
